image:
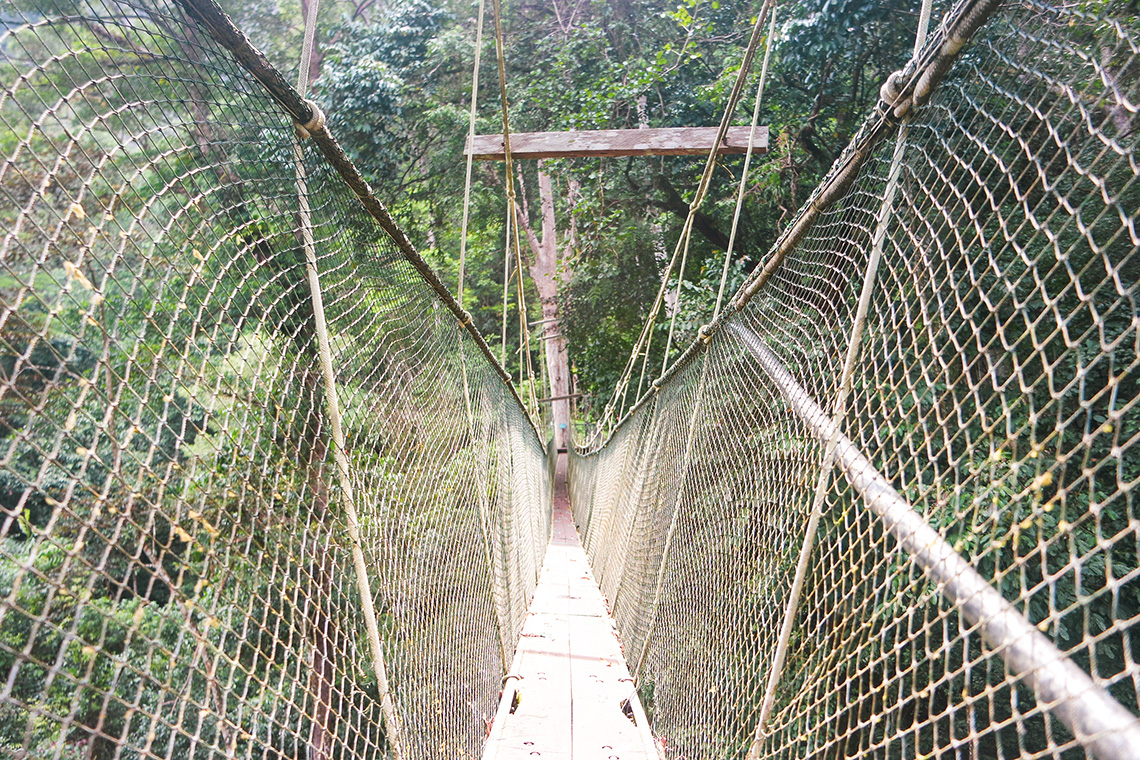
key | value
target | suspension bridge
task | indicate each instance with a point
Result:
(266, 492)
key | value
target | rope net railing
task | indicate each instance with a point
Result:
(177, 575)
(974, 487)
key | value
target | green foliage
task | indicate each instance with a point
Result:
(364, 86)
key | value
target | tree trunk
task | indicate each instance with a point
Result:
(548, 280)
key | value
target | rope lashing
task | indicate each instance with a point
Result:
(892, 88)
(315, 124)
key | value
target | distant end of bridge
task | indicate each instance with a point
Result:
(569, 695)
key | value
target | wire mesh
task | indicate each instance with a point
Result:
(996, 391)
(175, 575)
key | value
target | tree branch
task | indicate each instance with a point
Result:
(807, 138)
(702, 222)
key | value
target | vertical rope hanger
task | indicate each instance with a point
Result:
(839, 409)
(512, 209)
(747, 161)
(619, 394)
(348, 498)
(506, 288)
(470, 155)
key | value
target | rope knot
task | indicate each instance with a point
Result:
(705, 333)
(315, 124)
(890, 90)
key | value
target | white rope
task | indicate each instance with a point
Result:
(747, 161)
(923, 27)
(470, 152)
(838, 413)
(348, 499)
(512, 209)
(506, 286)
(307, 48)
(619, 394)
(677, 296)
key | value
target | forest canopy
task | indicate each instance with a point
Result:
(395, 79)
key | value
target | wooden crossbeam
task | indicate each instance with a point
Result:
(560, 398)
(673, 141)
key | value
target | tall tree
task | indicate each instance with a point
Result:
(550, 273)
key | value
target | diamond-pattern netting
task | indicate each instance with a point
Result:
(994, 390)
(928, 549)
(175, 566)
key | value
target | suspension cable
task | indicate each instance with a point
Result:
(619, 393)
(340, 455)
(744, 172)
(470, 154)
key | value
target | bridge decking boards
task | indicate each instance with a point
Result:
(574, 678)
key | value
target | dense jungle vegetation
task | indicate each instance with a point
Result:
(143, 526)
(395, 79)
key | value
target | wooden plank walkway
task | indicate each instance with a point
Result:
(572, 682)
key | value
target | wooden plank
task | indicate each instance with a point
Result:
(600, 683)
(672, 141)
(573, 676)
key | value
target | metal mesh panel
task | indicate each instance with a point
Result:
(175, 572)
(995, 390)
